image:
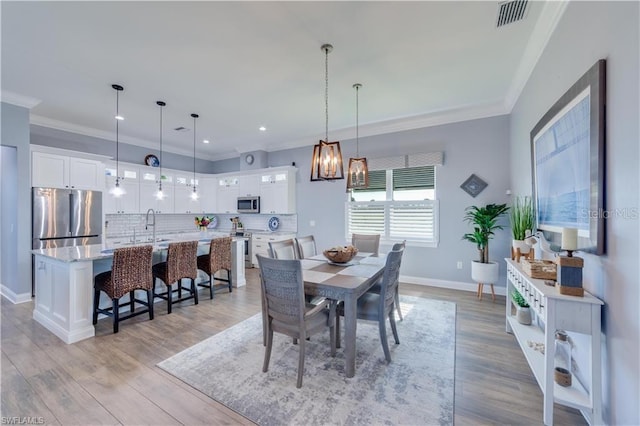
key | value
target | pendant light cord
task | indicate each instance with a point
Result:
(357, 86)
(161, 105)
(326, 94)
(194, 150)
(117, 135)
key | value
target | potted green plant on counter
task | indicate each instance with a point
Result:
(485, 223)
(523, 311)
(521, 218)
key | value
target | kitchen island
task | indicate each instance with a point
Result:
(64, 283)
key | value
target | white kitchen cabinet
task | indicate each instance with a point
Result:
(183, 201)
(227, 195)
(260, 243)
(149, 183)
(277, 192)
(249, 185)
(208, 194)
(127, 203)
(60, 171)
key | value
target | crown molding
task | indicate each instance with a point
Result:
(455, 115)
(18, 99)
(547, 22)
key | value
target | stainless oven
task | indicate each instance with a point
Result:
(246, 237)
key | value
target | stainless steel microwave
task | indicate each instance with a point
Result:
(248, 204)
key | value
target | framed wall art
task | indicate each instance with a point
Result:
(567, 153)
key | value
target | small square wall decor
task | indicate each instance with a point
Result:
(473, 185)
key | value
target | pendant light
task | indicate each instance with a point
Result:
(326, 163)
(194, 194)
(160, 194)
(117, 191)
(358, 174)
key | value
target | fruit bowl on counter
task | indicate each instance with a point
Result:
(340, 254)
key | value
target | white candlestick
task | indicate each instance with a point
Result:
(569, 239)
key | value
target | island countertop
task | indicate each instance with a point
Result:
(105, 250)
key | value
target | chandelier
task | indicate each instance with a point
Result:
(358, 172)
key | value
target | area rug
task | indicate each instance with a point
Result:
(417, 387)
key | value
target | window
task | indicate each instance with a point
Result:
(399, 204)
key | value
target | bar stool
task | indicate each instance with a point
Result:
(131, 271)
(219, 258)
(181, 263)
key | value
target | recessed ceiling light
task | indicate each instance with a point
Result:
(119, 117)
(263, 129)
(205, 141)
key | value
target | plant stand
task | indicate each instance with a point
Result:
(481, 289)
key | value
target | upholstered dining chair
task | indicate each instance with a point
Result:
(218, 258)
(366, 243)
(181, 263)
(306, 246)
(285, 249)
(286, 312)
(376, 286)
(131, 271)
(379, 307)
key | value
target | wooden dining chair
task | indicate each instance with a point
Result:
(286, 311)
(376, 286)
(131, 271)
(366, 243)
(218, 259)
(284, 250)
(181, 264)
(379, 307)
(306, 246)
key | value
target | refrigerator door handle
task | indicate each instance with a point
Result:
(70, 213)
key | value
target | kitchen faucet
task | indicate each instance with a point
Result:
(147, 224)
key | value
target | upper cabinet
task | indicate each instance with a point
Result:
(249, 185)
(129, 201)
(208, 191)
(59, 171)
(278, 191)
(227, 195)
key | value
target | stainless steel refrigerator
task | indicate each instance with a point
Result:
(66, 217)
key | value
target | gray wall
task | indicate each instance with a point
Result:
(15, 133)
(127, 153)
(589, 31)
(8, 214)
(478, 146)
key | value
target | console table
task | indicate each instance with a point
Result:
(557, 312)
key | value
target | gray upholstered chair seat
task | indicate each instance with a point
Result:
(313, 323)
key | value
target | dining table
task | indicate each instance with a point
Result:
(344, 282)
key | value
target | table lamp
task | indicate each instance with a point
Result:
(570, 266)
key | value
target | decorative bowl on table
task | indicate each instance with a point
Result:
(340, 254)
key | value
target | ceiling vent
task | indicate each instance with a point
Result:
(511, 11)
(181, 129)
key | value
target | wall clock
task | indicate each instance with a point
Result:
(151, 160)
(249, 159)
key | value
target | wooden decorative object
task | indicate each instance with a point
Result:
(541, 269)
(341, 254)
(570, 275)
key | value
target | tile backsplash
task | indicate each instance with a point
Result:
(124, 225)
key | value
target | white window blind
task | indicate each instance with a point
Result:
(394, 220)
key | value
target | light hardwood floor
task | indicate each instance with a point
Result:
(113, 379)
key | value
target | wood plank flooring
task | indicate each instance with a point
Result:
(113, 379)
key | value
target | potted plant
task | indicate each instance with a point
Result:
(521, 218)
(485, 223)
(523, 311)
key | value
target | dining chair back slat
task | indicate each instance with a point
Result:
(283, 250)
(306, 247)
(366, 243)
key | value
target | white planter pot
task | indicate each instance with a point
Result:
(485, 273)
(523, 315)
(520, 244)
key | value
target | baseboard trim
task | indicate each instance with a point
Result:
(454, 285)
(13, 297)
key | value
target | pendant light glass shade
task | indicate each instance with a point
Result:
(117, 190)
(358, 174)
(326, 162)
(194, 194)
(160, 193)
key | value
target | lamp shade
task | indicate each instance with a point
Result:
(326, 163)
(358, 173)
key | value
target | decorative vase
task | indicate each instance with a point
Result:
(523, 315)
(203, 229)
(485, 273)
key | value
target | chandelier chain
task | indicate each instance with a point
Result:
(326, 94)
(357, 124)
